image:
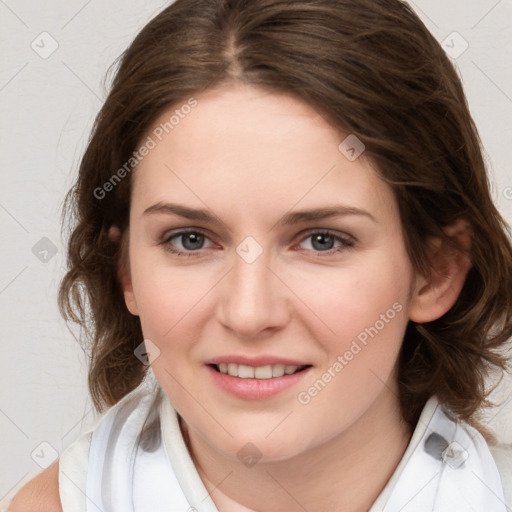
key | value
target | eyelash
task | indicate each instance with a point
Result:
(347, 242)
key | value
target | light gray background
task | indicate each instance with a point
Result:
(46, 110)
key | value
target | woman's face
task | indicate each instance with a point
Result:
(264, 279)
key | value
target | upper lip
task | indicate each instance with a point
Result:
(255, 361)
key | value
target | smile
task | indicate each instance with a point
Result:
(256, 382)
(269, 371)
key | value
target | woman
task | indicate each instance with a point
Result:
(296, 277)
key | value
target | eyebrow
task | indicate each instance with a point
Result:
(287, 219)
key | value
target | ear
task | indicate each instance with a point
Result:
(434, 295)
(123, 271)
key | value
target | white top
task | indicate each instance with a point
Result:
(163, 476)
(134, 458)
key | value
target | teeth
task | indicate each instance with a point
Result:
(290, 369)
(263, 372)
(278, 370)
(260, 372)
(245, 372)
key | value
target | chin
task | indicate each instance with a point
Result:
(257, 449)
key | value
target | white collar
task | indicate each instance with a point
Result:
(447, 467)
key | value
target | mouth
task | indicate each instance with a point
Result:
(269, 371)
(256, 377)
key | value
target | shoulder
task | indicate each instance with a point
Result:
(41, 494)
(47, 491)
(502, 455)
(62, 485)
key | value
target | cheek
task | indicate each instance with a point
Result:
(367, 310)
(366, 307)
(352, 301)
(169, 299)
(166, 299)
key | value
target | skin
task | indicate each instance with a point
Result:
(249, 157)
(41, 494)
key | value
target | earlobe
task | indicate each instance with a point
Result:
(129, 296)
(123, 272)
(435, 294)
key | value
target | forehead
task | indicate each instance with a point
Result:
(263, 151)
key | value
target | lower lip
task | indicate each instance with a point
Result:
(255, 389)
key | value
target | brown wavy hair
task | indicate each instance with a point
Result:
(372, 69)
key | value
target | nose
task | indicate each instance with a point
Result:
(254, 301)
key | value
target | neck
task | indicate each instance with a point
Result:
(346, 473)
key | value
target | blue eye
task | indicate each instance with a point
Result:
(191, 241)
(323, 242)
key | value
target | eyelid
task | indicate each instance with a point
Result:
(326, 231)
(168, 235)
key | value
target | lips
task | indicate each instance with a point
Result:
(256, 361)
(256, 378)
